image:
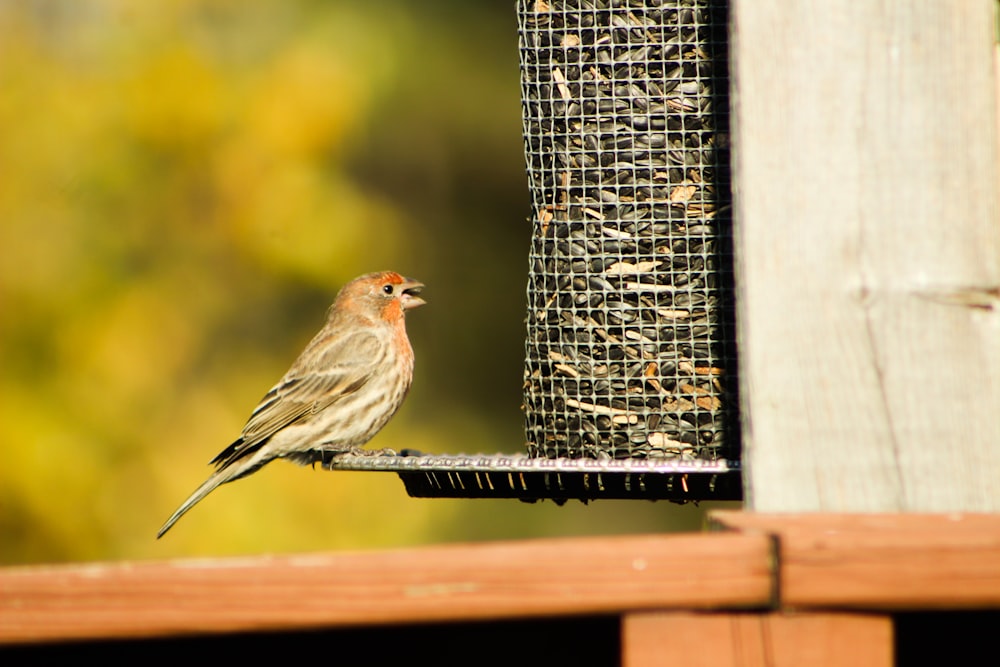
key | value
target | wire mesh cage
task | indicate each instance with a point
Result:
(629, 326)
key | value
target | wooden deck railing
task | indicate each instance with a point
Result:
(752, 587)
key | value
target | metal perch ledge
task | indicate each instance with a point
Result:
(558, 479)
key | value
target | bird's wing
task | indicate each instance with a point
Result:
(346, 365)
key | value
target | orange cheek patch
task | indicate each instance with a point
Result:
(392, 310)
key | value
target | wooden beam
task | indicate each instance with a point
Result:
(868, 254)
(882, 562)
(756, 640)
(448, 583)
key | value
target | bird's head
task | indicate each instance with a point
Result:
(386, 295)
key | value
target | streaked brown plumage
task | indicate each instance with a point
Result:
(343, 388)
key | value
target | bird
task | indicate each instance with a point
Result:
(342, 389)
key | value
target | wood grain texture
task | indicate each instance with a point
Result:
(868, 254)
(756, 640)
(882, 562)
(461, 582)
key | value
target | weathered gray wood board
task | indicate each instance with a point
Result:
(868, 253)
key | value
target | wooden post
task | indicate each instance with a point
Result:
(868, 254)
(756, 640)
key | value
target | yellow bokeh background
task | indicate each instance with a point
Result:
(184, 186)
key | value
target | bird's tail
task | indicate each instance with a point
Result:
(227, 474)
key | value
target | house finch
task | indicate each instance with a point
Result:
(343, 388)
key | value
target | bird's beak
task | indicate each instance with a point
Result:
(410, 290)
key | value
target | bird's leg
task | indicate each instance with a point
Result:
(327, 456)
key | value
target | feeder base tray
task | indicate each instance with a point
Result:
(533, 479)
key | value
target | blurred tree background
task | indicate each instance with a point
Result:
(184, 185)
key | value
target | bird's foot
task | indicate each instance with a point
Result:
(385, 451)
(361, 451)
(327, 456)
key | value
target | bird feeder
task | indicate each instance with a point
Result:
(629, 382)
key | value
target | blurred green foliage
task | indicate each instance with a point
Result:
(184, 185)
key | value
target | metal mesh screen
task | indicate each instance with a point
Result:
(629, 345)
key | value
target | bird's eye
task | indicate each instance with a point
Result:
(387, 289)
